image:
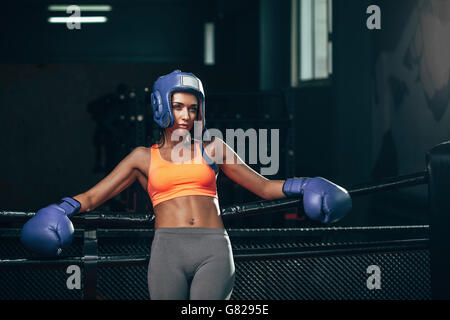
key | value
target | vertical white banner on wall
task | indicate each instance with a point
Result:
(330, 32)
(320, 39)
(306, 40)
(209, 54)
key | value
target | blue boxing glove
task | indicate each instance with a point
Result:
(50, 230)
(323, 200)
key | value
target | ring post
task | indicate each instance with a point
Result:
(438, 164)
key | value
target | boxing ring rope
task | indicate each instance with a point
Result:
(297, 247)
(242, 210)
(366, 248)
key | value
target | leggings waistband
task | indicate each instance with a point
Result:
(191, 230)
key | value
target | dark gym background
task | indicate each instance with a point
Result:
(384, 107)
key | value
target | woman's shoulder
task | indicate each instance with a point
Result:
(141, 157)
(141, 154)
(142, 150)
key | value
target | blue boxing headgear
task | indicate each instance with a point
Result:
(163, 89)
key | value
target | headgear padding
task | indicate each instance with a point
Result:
(163, 89)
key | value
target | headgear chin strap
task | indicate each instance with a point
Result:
(164, 87)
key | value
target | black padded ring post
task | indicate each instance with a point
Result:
(90, 258)
(438, 163)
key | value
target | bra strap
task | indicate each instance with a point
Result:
(208, 160)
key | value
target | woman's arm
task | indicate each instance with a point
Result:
(239, 172)
(323, 200)
(123, 175)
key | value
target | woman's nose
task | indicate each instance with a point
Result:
(184, 113)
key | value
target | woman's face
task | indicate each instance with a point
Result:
(185, 108)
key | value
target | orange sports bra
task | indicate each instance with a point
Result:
(169, 180)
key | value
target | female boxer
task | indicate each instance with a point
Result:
(191, 254)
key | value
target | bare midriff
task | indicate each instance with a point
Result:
(188, 212)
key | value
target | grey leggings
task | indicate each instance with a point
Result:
(191, 263)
